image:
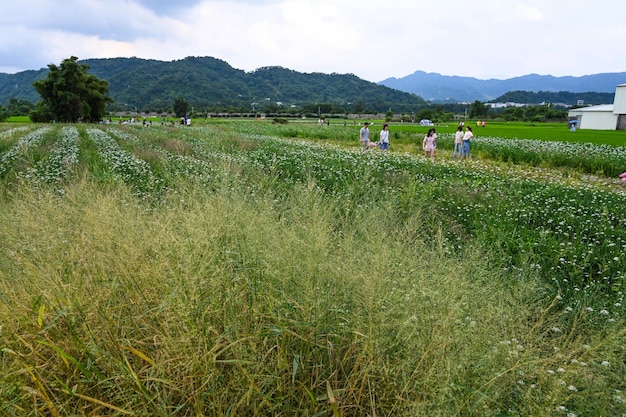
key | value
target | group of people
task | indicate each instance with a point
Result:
(462, 141)
(366, 143)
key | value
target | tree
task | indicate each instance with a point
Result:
(422, 114)
(180, 106)
(69, 94)
(478, 109)
(19, 107)
(3, 113)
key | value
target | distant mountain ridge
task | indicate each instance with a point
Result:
(207, 82)
(441, 88)
(210, 83)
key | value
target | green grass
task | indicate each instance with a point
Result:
(18, 119)
(244, 274)
(217, 304)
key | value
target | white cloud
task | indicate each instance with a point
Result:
(374, 40)
(528, 12)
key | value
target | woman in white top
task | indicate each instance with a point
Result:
(458, 142)
(383, 143)
(465, 150)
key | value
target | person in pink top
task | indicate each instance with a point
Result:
(429, 144)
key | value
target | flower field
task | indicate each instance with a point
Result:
(256, 269)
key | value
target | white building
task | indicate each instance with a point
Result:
(603, 116)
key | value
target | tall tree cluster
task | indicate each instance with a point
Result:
(70, 94)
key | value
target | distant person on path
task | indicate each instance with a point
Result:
(458, 142)
(429, 144)
(467, 137)
(364, 137)
(383, 143)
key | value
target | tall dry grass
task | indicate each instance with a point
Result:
(228, 303)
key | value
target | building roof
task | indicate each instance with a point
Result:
(600, 107)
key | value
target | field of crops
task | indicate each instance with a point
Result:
(251, 268)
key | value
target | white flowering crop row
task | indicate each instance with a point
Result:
(58, 164)
(588, 157)
(175, 164)
(130, 169)
(23, 145)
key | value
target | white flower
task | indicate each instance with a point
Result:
(605, 312)
(589, 309)
(572, 388)
(561, 370)
(605, 363)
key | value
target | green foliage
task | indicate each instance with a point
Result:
(3, 113)
(69, 94)
(180, 107)
(19, 107)
(563, 97)
(213, 85)
(478, 110)
(543, 113)
(41, 113)
(427, 113)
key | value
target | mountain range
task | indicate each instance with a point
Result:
(443, 88)
(210, 83)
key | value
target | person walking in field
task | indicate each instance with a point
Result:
(467, 137)
(458, 142)
(364, 137)
(429, 144)
(383, 143)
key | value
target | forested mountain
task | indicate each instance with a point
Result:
(561, 97)
(209, 83)
(442, 88)
(20, 85)
(212, 84)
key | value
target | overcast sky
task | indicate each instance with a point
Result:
(374, 40)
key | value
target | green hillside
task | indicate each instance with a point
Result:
(564, 97)
(212, 84)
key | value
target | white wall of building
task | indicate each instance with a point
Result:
(598, 120)
(619, 104)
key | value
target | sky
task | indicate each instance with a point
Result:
(374, 40)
